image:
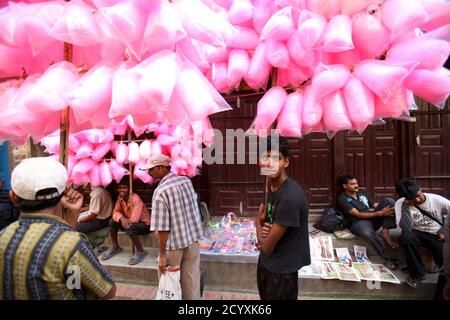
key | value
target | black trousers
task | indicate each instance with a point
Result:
(134, 229)
(366, 228)
(276, 286)
(412, 241)
(92, 225)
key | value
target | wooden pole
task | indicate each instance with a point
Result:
(65, 120)
(130, 168)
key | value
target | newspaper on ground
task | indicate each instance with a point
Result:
(343, 256)
(331, 270)
(316, 268)
(347, 273)
(365, 271)
(321, 248)
(384, 274)
(361, 254)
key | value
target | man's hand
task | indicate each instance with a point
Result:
(262, 214)
(386, 212)
(266, 229)
(72, 200)
(162, 263)
(125, 222)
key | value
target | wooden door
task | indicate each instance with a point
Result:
(429, 148)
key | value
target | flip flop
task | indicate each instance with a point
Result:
(111, 252)
(137, 257)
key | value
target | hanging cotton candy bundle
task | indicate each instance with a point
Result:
(117, 170)
(262, 12)
(335, 115)
(125, 23)
(298, 53)
(369, 35)
(12, 32)
(36, 22)
(121, 153)
(396, 106)
(85, 150)
(193, 51)
(290, 117)
(351, 7)
(219, 76)
(197, 95)
(125, 95)
(163, 29)
(90, 96)
(337, 36)
(238, 64)
(240, 12)
(155, 147)
(47, 95)
(293, 75)
(83, 166)
(326, 8)
(269, 107)
(277, 54)
(94, 176)
(280, 26)
(95, 135)
(214, 54)
(133, 152)
(203, 24)
(79, 178)
(105, 174)
(166, 140)
(159, 76)
(402, 15)
(312, 110)
(175, 113)
(51, 144)
(245, 38)
(428, 53)
(383, 78)
(311, 28)
(77, 25)
(328, 79)
(432, 86)
(360, 104)
(144, 150)
(100, 151)
(259, 70)
(438, 12)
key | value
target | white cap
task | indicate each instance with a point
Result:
(36, 174)
(156, 160)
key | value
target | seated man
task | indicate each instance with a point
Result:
(97, 215)
(365, 216)
(421, 218)
(131, 216)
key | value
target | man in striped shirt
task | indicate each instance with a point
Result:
(176, 218)
(41, 256)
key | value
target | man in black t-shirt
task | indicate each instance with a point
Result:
(282, 229)
(366, 216)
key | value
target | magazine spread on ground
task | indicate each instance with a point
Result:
(365, 271)
(344, 256)
(385, 274)
(321, 248)
(361, 254)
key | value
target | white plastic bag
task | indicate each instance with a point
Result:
(169, 287)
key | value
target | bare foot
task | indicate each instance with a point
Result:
(388, 239)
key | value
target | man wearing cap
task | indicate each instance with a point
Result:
(176, 218)
(41, 256)
(421, 217)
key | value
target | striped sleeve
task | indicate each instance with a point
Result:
(93, 276)
(160, 216)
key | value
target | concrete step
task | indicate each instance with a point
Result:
(147, 240)
(237, 273)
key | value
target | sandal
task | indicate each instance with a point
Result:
(412, 282)
(111, 252)
(137, 257)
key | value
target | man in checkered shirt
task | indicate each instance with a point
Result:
(177, 222)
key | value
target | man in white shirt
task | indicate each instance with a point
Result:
(421, 217)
